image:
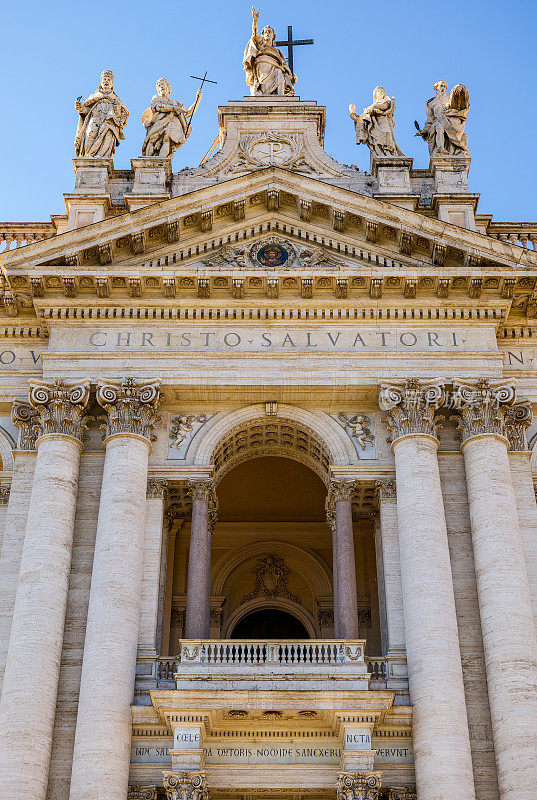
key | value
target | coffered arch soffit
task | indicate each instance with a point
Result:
(313, 438)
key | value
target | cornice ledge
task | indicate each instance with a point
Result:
(211, 196)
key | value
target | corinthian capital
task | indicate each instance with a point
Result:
(185, 785)
(518, 420)
(202, 489)
(411, 406)
(25, 418)
(156, 488)
(130, 406)
(142, 793)
(342, 489)
(402, 793)
(358, 785)
(60, 407)
(483, 407)
(385, 489)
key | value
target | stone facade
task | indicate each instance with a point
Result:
(273, 383)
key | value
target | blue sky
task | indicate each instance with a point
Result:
(53, 52)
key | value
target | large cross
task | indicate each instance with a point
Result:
(290, 44)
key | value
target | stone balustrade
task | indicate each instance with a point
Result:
(523, 234)
(259, 652)
(21, 233)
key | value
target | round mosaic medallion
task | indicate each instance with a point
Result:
(273, 253)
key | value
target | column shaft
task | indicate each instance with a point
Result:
(440, 726)
(347, 603)
(13, 543)
(198, 593)
(30, 685)
(390, 564)
(103, 731)
(527, 517)
(509, 635)
(154, 547)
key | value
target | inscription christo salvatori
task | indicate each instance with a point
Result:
(277, 339)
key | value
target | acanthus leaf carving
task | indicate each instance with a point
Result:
(156, 488)
(342, 489)
(358, 785)
(518, 420)
(130, 407)
(185, 785)
(483, 407)
(25, 418)
(60, 407)
(142, 793)
(412, 405)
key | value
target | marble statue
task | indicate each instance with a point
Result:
(446, 115)
(167, 122)
(267, 71)
(102, 118)
(374, 126)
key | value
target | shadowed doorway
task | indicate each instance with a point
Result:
(269, 623)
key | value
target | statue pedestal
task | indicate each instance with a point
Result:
(393, 174)
(152, 178)
(452, 199)
(450, 173)
(90, 198)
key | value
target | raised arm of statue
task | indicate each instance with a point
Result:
(255, 19)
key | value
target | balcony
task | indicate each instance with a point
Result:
(223, 664)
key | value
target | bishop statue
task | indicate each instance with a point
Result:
(101, 119)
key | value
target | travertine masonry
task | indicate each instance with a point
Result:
(526, 507)
(440, 723)
(13, 542)
(509, 636)
(102, 742)
(35, 644)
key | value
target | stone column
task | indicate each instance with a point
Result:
(440, 725)
(340, 493)
(103, 730)
(198, 592)
(389, 565)
(24, 416)
(331, 522)
(519, 419)
(28, 705)
(509, 635)
(154, 554)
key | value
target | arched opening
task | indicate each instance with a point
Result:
(271, 556)
(269, 623)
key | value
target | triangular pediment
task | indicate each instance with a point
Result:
(211, 244)
(337, 218)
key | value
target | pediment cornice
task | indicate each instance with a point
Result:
(202, 220)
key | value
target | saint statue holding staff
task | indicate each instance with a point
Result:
(167, 122)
